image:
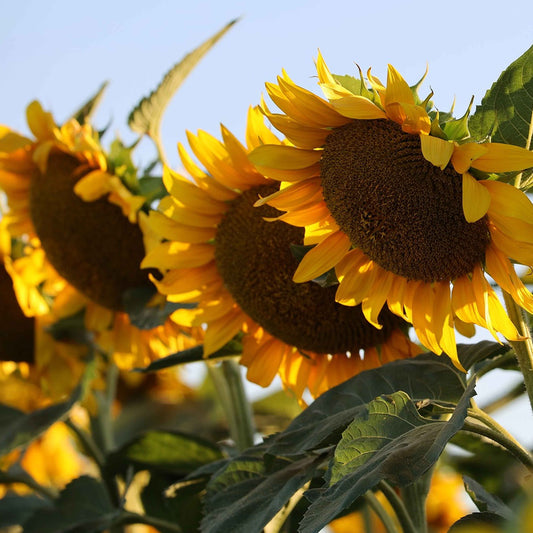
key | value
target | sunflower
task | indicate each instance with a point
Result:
(32, 363)
(62, 195)
(401, 204)
(220, 253)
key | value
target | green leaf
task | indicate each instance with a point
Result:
(401, 447)
(193, 355)
(135, 302)
(22, 428)
(152, 188)
(478, 522)
(82, 507)
(474, 354)
(181, 506)
(70, 329)
(146, 118)
(15, 510)
(425, 377)
(484, 500)
(164, 451)
(247, 494)
(84, 113)
(506, 110)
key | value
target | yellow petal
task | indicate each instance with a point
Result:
(265, 363)
(503, 158)
(437, 151)
(284, 157)
(294, 195)
(324, 75)
(168, 229)
(522, 252)
(412, 118)
(502, 271)
(11, 141)
(40, 122)
(322, 257)
(298, 134)
(318, 110)
(476, 199)
(442, 322)
(355, 273)
(464, 154)
(93, 185)
(509, 201)
(377, 296)
(221, 331)
(358, 107)
(398, 89)
(190, 195)
(208, 184)
(309, 214)
(171, 208)
(257, 133)
(170, 255)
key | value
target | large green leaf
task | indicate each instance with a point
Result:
(82, 507)
(389, 441)
(165, 451)
(425, 377)
(181, 506)
(146, 117)
(15, 509)
(484, 500)
(246, 494)
(506, 110)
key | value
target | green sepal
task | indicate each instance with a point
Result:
(457, 129)
(84, 114)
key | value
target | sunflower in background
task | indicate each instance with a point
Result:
(401, 204)
(33, 364)
(219, 253)
(78, 243)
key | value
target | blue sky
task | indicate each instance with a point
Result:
(60, 52)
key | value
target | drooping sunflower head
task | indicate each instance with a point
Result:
(224, 255)
(73, 210)
(55, 186)
(398, 200)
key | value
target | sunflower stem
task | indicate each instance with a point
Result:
(510, 445)
(523, 349)
(414, 497)
(228, 383)
(399, 508)
(374, 504)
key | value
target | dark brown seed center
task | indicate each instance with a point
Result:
(403, 212)
(91, 244)
(255, 261)
(17, 335)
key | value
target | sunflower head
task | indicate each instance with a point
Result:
(401, 202)
(62, 190)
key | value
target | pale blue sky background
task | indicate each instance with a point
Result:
(60, 51)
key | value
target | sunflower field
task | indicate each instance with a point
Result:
(340, 248)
